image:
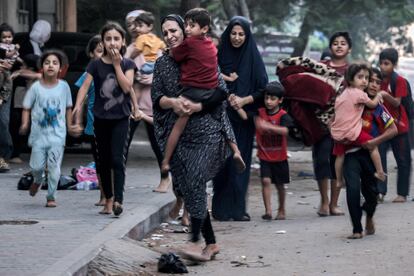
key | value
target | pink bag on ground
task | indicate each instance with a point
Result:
(86, 174)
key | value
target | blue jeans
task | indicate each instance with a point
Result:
(359, 177)
(51, 157)
(6, 143)
(400, 146)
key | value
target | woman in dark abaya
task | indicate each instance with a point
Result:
(245, 75)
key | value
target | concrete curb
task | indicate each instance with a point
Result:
(135, 224)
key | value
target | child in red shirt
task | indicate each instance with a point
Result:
(197, 56)
(272, 128)
(400, 144)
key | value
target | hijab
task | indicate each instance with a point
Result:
(246, 60)
(39, 35)
(133, 13)
(176, 18)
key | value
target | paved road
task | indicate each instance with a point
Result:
(30, 249)
(311, 245)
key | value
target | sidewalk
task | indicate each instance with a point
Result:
(65, 238)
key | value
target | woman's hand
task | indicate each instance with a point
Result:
(237, 102)
(190, 106)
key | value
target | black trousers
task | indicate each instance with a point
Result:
(359, 176)
(112, 145)
(151, 136)
(204, 226)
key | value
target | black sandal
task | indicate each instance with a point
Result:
(117, 209)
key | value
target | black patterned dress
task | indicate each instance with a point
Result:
(202, 148)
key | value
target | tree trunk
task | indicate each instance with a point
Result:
(244, 9)
(188, 5)
(302, 40)
(230, 7)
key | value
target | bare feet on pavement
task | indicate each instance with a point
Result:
(164, 185)
(399, 199)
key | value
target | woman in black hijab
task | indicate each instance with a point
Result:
(245, 74)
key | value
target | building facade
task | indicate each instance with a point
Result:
(21, 14)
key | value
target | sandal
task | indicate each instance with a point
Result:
(267, 217)
(51, 204)
(117, 209)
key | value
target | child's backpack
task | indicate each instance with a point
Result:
(406, 102)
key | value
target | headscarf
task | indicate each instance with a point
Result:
(39, 35)
(246, 60)
(133, 13)
(176, 18)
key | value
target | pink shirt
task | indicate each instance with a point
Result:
(348, 112)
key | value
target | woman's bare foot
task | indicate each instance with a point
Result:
(399, 199)
(381, 176)
(101, 202)
(165, 167)
(369, 226)
(238, 162)
(281, 215)
(355, 236)
(211, 250)
(175, 210)
(193, 251)
(185, 220)
(164, 185)
(107, 209)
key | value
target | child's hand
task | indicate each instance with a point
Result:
(1, 101)
(75, 130)
(15, 75)
(115, 56)
(24, 128)
(233, 76)
(136, 114)
(369, 145)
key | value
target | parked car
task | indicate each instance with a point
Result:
(73, 45)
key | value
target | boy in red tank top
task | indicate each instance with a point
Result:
(272, 128)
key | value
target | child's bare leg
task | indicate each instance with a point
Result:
(339, 163)
(172, 142)
(376, 159)
(281, 193)
(185, 220)
(238, 160)
(267, 197)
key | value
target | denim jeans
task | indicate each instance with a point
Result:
(6, 143)
(359, 177)
(400, 146)
(50, 157)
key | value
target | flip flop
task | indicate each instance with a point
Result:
(267, 217)
(117, 209)
(322, 214)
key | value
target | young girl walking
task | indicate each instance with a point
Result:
(346, 129)
(94, 50)
(48, 106)
(112, 76)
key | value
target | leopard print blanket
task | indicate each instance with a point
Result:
(320, 71)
